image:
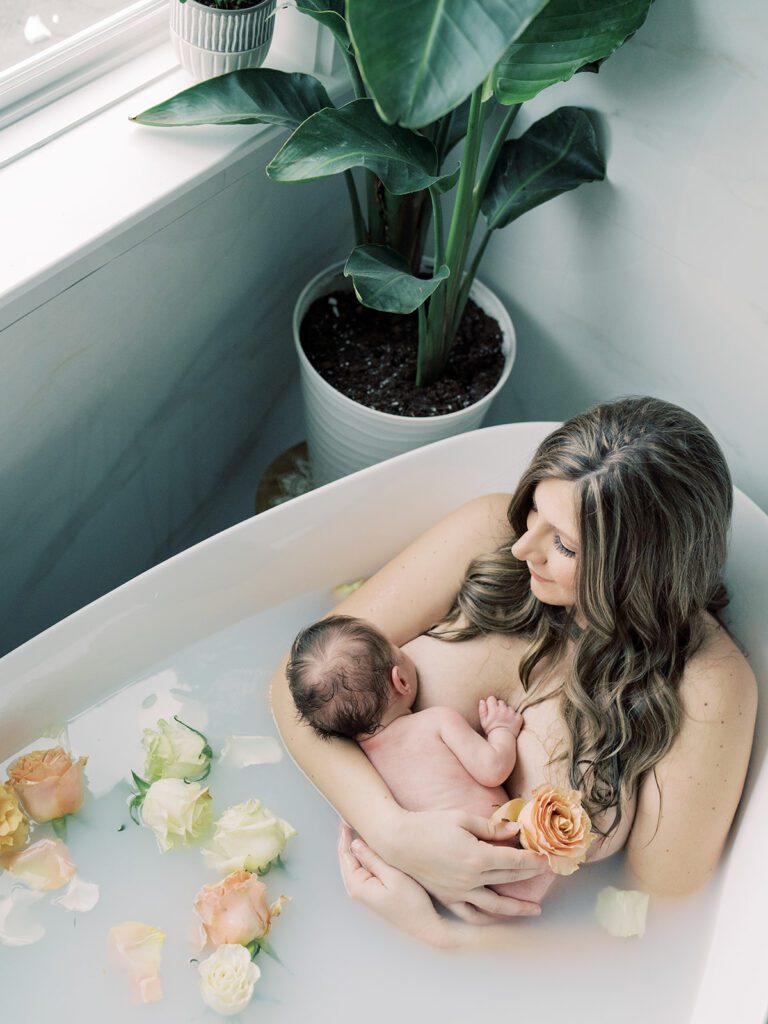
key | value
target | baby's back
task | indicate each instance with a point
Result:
(422, 773)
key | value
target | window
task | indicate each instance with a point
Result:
(49, 47)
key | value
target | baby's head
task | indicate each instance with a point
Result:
(347, 679)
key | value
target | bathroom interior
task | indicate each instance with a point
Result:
(149, 380)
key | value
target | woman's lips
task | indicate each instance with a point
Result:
(536, 576)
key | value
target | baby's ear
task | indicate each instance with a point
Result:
(400, 684)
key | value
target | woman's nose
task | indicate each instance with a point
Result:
(526, 548)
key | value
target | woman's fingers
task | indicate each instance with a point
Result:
(503, 906)
(471, 914)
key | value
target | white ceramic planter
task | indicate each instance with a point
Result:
(344, 436)
(211, 42)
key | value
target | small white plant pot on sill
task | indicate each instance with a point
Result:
(344, 436)
(211, 42)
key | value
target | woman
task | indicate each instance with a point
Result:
(589, 601)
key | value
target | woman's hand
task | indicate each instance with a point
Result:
(386, 891)
(455, 856)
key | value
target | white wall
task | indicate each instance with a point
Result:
(655, 281)
(133, 403)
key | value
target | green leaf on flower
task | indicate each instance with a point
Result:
(60, 827)
(140, 783)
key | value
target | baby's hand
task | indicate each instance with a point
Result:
(496, 714)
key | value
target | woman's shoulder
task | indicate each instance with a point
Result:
(718, 677)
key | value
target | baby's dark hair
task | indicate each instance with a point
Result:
(338, 673)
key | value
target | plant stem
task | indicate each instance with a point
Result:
(357, 213)
(493, 154)
(422, 356)
(354, 73)
(437, 217)
(469, 278)
(443, 302)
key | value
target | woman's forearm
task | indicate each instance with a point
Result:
(339, 770)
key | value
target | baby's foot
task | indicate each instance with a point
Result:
(497, 714)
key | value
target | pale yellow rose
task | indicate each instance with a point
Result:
(227, 978)
(14, 827)
(236, 909)
(555, 824)
(176, 811)
(48, 783)
(248, 837)
(174, 751)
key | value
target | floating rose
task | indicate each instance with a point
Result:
(248, 837)
(48, 783)
(14, 827)
(554, 824)
(137, 948)
(227, 979)
(45, 864)
(236, 910)
(176, 811)
(176, 751)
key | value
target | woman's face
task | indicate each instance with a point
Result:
(550, 544)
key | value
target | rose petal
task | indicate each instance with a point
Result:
(16, 926)
(244, 751)
(43, 865)
(80, 896)
(508, 811)
(622, 912)
(137, 948)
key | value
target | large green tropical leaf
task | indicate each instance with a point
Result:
(383, 280)
(250, 96)
(566, 35)
(421, 58)
(354, 135)
(556, 154)
(329, 13)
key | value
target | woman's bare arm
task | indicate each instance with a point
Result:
(684, 813)
(408, 595)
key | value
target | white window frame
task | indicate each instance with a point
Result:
(65, 66)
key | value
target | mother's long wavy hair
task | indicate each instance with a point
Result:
(654, 508)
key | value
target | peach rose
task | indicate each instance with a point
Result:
(235, 910)
(554, 823)
(14, 827)
(48, 783)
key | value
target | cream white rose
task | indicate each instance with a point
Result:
(248, 837)
(176, 811)
(227, 978)
(174, 751)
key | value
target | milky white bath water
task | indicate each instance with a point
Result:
(338, 963)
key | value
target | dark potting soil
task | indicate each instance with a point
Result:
(371, 356)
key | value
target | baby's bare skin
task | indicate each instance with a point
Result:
(434, 760)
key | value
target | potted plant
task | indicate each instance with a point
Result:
(213, 37)
(457, 76)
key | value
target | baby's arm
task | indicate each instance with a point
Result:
(490, 761)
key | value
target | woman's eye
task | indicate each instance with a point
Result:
(563, 549)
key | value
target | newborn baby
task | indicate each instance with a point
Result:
(348, 680)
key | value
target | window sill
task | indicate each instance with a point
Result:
(87, 191)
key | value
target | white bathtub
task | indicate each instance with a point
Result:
(338, 533)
